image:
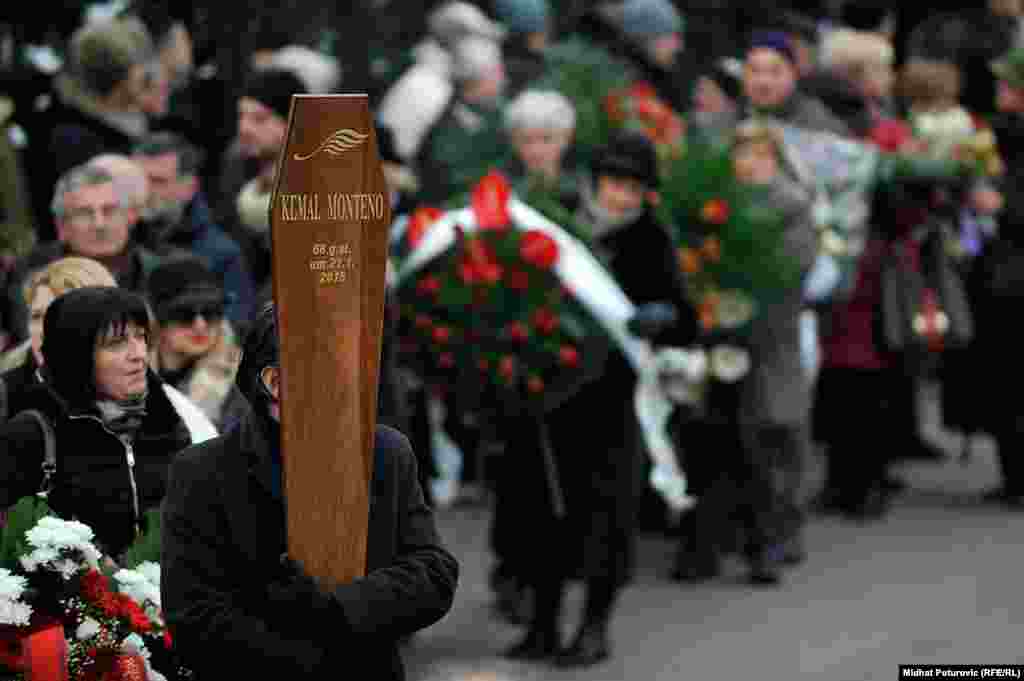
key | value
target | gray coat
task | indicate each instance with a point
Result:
(777, 391)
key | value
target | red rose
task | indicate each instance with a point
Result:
(538, 249)
(442, 334)
(428, 286)
(535, 384)
(419, 223)
(94, 586)
(891, 135)
(489, 273)
(518, 280)
(715, 211)
(467, 273)
(569, 356)
(490, 201)
(446, 360)
(518, 332)
(545, 321)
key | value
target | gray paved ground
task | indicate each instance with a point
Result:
(938, 581)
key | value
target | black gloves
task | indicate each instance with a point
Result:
(293, 593)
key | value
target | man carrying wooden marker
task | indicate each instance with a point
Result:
(238, 607)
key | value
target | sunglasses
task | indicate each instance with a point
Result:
(185, 314)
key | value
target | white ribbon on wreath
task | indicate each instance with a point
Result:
(598, 292)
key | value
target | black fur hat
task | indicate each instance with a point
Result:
(629, 154)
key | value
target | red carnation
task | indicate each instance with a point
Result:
(545, 321)
(420, 222)
(890, 135)
(467, 273)
(518, 332)
(442, 334)
(569, 356)
(489, 273)
(428, 285)
(538, 249)
(94, 586)
(490, 201)
(168, 640)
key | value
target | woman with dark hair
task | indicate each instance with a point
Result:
(114, 426)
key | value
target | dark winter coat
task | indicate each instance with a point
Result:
(94, 470)
(199, 234)
(223, 535)
(601, 483)
(69, 133)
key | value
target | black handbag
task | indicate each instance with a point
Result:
(923, 309)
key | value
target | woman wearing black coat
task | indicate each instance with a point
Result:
(600, 485)
(238, 608)
(115, 428)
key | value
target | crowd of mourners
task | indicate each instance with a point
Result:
(135, 256)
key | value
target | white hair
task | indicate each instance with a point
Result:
(85, 175)
(848, 48)
(545, 109)
(130, 179)
(473, 56)
(455, 20)
(319, 73)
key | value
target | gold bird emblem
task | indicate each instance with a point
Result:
(337, 144)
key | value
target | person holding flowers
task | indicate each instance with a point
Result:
(114, 427)
(763, 417)
(590, 535)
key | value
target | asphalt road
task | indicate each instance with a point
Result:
(938, 581)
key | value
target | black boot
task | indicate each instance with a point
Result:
(538, 644)
(590, 646)
(542, 640)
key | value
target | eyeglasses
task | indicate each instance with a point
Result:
(87, 217)
(186, 314)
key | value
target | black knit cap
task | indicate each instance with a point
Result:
(72, 327)
(273, 88)
(629, 154)
(183, 281)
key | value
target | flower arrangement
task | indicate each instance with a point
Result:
(53, 576)
(729, 238)
(638, 107)
(492, 307)
(957, 135)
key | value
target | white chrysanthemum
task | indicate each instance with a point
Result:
(15, 613)
(11, 585)
(150, 570)
(87, 629)
(729, 363)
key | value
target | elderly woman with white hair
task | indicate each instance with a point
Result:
(540, 124)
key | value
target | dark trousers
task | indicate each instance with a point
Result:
(862, 416)
(1010, 449)
(750, 503)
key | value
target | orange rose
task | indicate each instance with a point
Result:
(689, 260)
(712, 249)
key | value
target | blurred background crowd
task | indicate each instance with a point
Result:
(140, 142)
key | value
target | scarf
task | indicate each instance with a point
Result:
(591, 213)
(123, 417)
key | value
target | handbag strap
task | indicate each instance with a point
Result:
(49, 449)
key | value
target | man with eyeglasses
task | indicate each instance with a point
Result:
(94, 218)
